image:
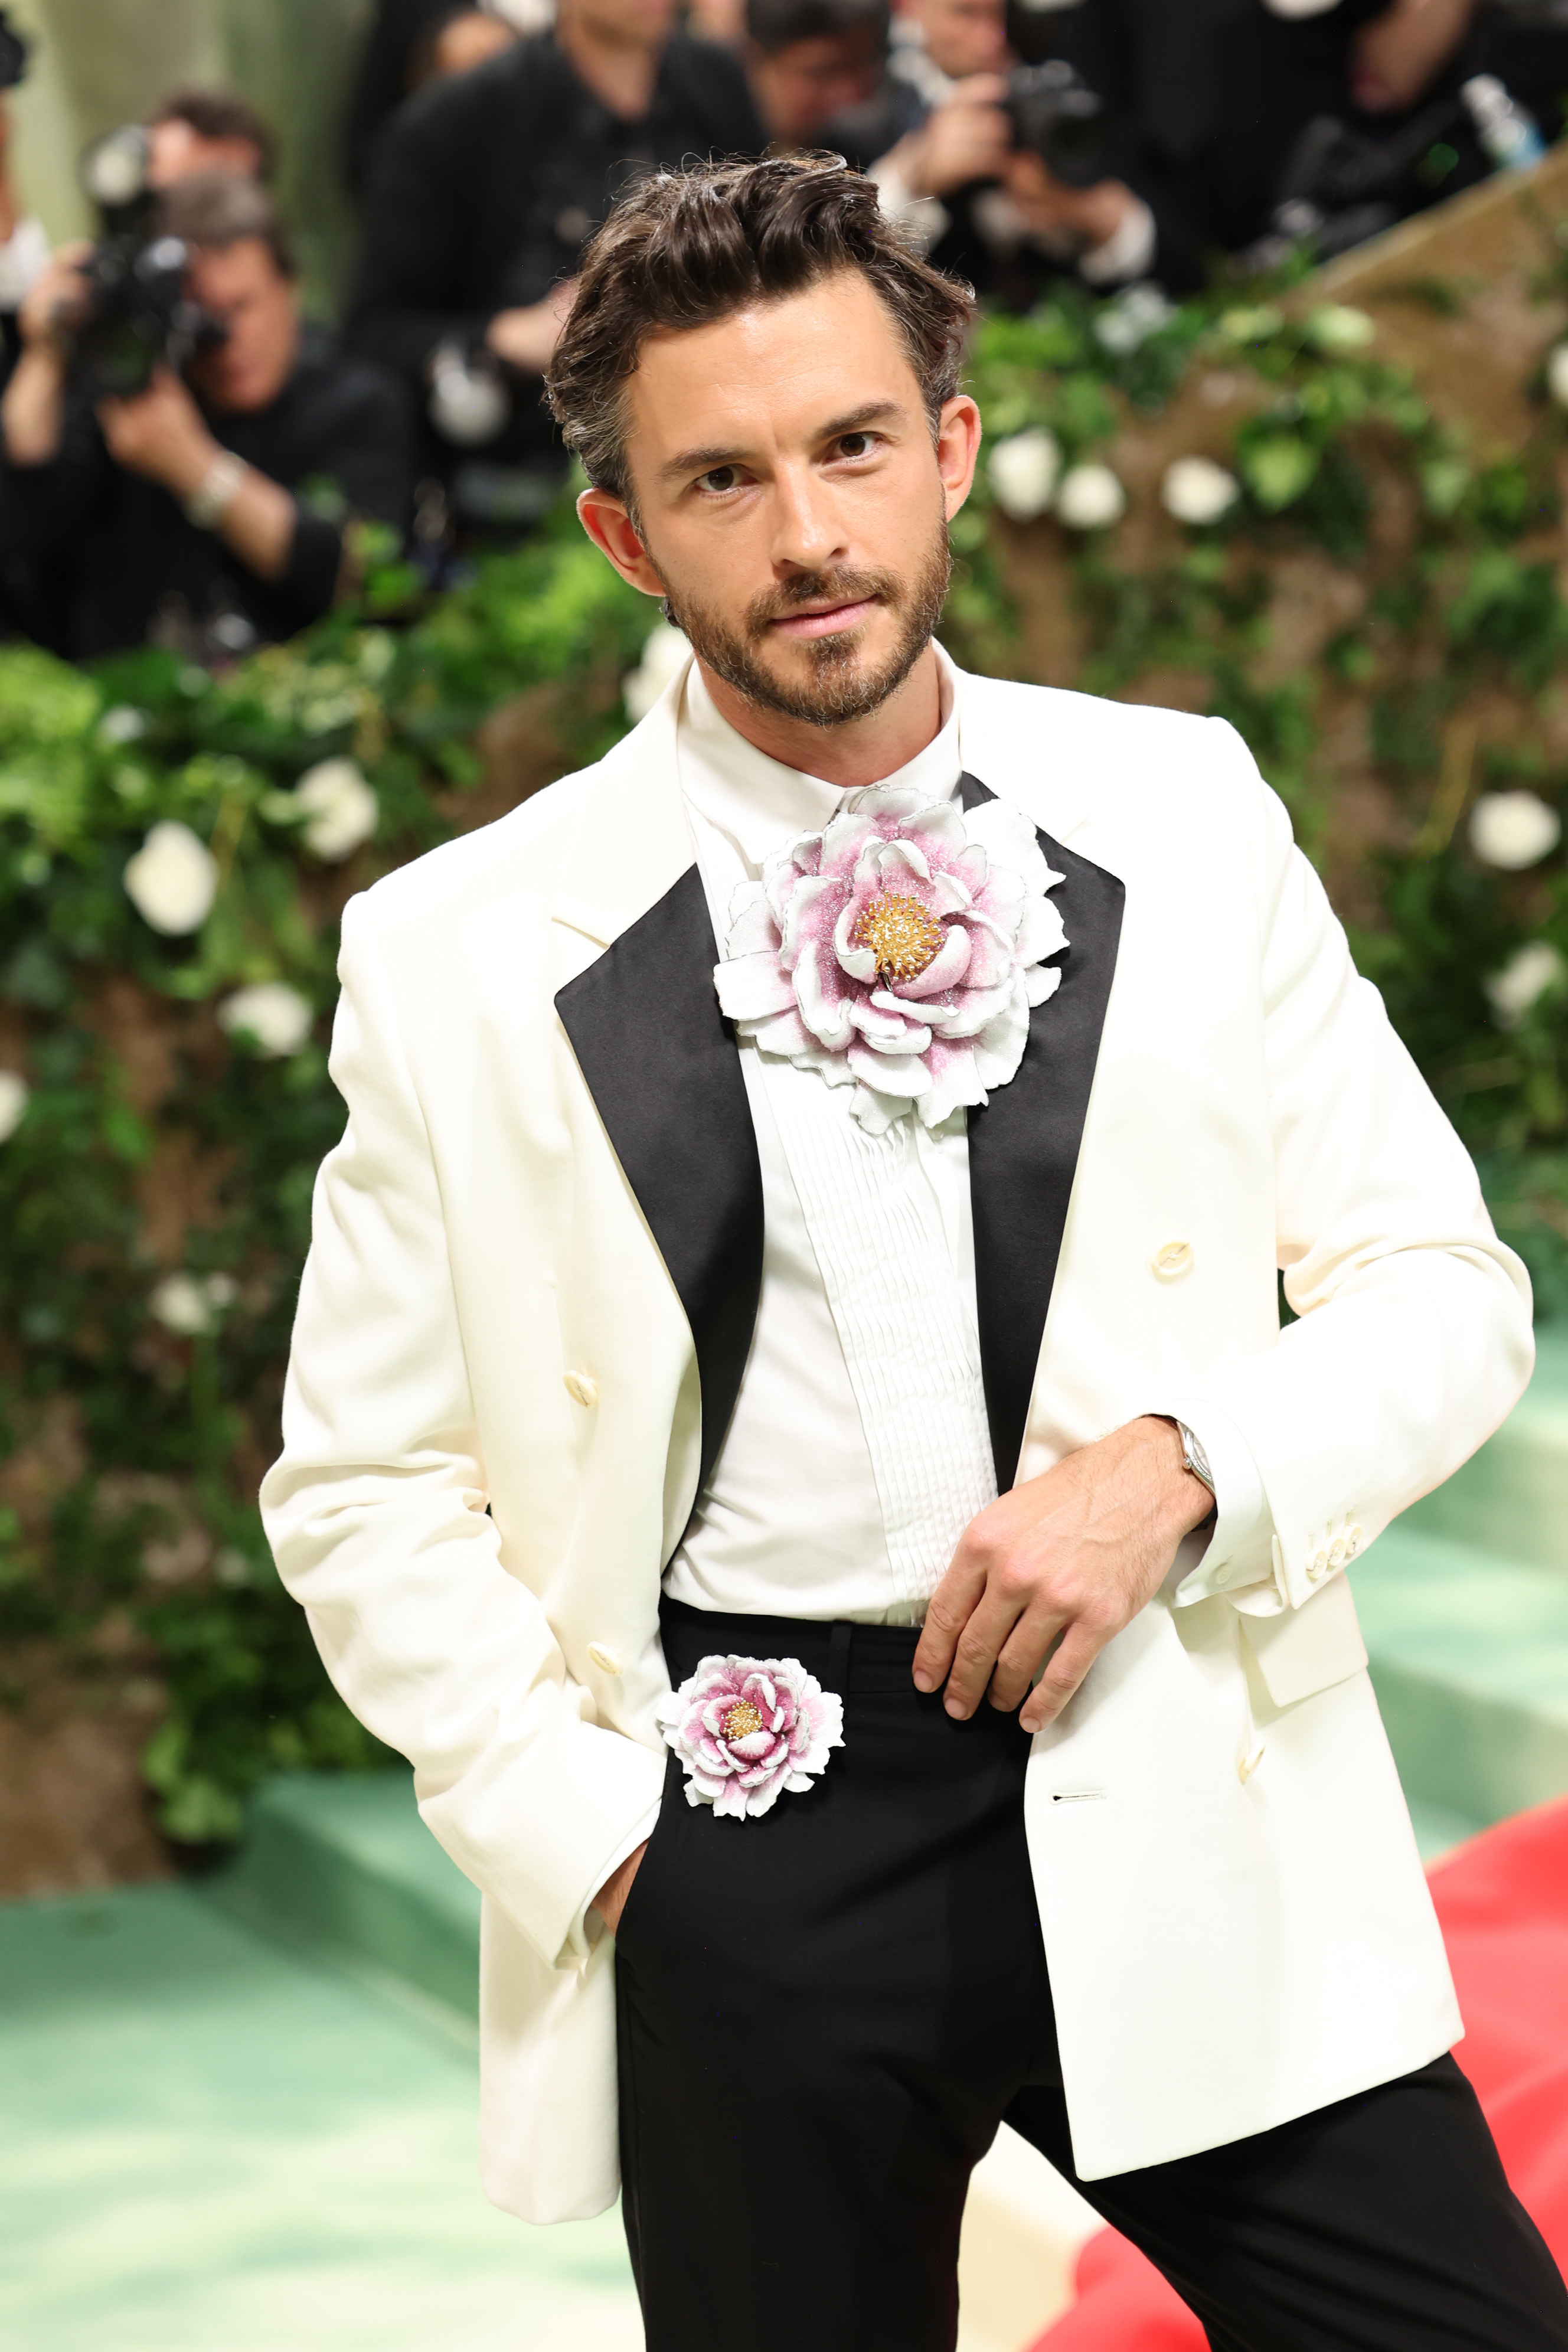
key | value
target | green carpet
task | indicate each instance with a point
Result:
(210, 2142)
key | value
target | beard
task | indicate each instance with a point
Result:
(840, 686)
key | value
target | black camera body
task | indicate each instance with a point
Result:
(139, 315)
(15, 47)
(1057, 116)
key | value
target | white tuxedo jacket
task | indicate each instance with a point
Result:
(526, 1312)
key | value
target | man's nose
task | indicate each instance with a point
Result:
(806, 533)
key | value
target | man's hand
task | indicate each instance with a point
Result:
(526, 338)
(1082, 218)
(966, 139)
(611, 1898)
(55, 302)
(160, 433)
(1056, 1567)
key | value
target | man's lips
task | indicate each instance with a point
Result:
(822, 625)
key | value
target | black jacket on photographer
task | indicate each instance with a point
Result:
(97, 559)
(484, 189)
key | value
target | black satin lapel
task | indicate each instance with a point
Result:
(660, 1062)
(1023, 1147)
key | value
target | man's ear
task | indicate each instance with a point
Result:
(957, 449)
(609, 524)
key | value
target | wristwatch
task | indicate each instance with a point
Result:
(217, 491)
(1193, 1458)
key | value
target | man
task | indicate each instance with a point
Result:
(197, 130)
(484, 189)
(890, 1361)
(938, 142)
(195, 511)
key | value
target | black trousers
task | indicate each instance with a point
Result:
(824, 2014)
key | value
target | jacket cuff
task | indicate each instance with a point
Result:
(588, 1927)
(1241, 1549)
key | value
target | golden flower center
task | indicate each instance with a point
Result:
(902, 935)
(741, 1720)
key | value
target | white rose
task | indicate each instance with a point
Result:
(180, 1304)
(663, 652)
(14, 1093)
(1527, 975)
(1513, 830)
(1195, 490)
(342, 810)
(172, 879)
(1339, 330)
(275, 1014)
(1557, 375)
(1023, 471)
(1090, 498)
(122, 724)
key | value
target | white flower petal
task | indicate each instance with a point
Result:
(1023, 472)
(172, 880)
(276, 1015)
(342, 811)
(14, 1093)
(1513, 830)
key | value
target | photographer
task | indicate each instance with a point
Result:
(176, 512)
(485, 187)
(940, 141)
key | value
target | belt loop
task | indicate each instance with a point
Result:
(838, 1656)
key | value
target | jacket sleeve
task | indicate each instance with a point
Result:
(1414, 1339)
(376, 1514)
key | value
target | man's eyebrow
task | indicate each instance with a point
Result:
(704, 461)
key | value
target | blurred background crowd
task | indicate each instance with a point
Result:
(184, 440)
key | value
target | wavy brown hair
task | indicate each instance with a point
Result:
(687, 248)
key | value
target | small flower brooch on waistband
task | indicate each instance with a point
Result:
(746, 1729)
(899, 951)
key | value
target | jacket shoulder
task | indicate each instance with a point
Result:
(516, 858)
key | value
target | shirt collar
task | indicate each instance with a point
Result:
(758, 803)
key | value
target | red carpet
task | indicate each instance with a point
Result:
(1503, 1903)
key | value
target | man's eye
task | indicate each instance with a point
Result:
(856, 444)
(722, 477)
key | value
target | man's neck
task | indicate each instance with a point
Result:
(620, 73)
(859, 752)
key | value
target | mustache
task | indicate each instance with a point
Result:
(834, 587)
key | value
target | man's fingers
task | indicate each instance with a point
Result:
(1018, 1661)
(978, 1646)
(1075, 1654)
(947, 1614)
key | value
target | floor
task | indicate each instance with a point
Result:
(210, 2142)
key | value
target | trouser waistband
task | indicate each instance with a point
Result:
(849, 1658)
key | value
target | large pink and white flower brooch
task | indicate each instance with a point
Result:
(747, 1728)
(901, 951)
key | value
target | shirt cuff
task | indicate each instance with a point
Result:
(588, 1924)
(24, 257)
(924, 219)
(1241, 1550)
(1127, 253)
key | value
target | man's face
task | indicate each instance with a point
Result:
(793, 505)
(244, 287)
(964, 37)
(620, 24)
(175, 151)
(807, 83)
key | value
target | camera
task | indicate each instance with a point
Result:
(1055, 114)
(139, 315)
(14, 48)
